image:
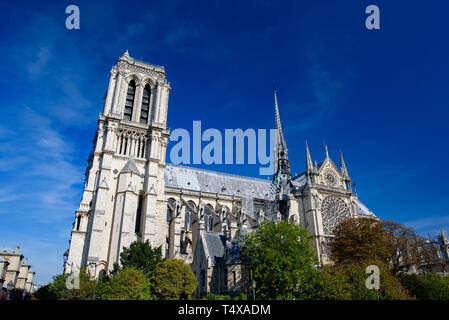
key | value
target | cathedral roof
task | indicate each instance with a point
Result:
(300, 180)
(215, 243)
(195, 179)
(362, 210)
(218, 252)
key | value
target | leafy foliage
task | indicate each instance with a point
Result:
(126, 284)
(213, 296)
(407, 248)
(324, 284)
(172, 279)
(360, 239)
(86, 290)
(354, 275)
(431, 286)
(43, 293)
(140, 255)
(280, 257)
(16, 294)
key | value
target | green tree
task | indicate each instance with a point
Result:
(173, 280)
(354, 276)
(87, 287)
(324, 284)
(16, 294)
(280, 258)
(430, 286)
(213, 296)
(140, 255)
(126, 284)
(357, 240)
(44, 294)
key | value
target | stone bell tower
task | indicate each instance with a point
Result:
(123, 197)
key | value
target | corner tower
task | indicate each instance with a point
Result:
(125, 172)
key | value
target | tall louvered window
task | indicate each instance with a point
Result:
(127, 115)
(139, 214)
(144, 111)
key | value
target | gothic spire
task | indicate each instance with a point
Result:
(309, 164)
(280, 135)
(344, 171)
(327, 153)
(281, 163)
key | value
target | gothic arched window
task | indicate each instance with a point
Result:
(128, 113)
(208, 219)
(333, 211)
(145, 109)
(187, 220)
(211, 223)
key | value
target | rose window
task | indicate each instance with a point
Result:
(333, 210)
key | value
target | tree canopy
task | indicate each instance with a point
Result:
(407, 248)
(126, 284)
(172, 279)
(359, 239)
(142, 256)
(86, 290)
(280, 257)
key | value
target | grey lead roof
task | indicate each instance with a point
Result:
(215, 243)
(299, 180)
(194, 179)
(218, 252)
(362, 210)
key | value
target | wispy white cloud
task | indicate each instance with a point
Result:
(431, 224)
(50, 175)
(326, 84)
(36, 67)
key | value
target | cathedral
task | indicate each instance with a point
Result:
(132, 194)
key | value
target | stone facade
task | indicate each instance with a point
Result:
(3, 267)
(131, 193)
(12, 270)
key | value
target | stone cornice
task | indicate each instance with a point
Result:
(328, 189)
(203, 194)
(127, 63)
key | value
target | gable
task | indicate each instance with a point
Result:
(329, 174)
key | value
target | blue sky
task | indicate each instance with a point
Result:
(381, 96)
